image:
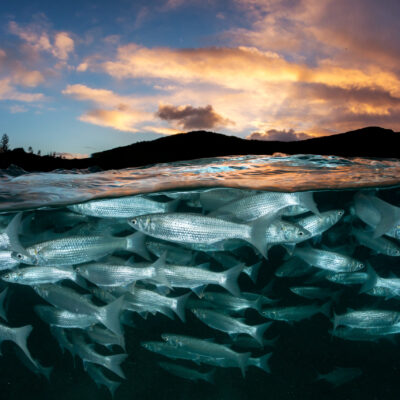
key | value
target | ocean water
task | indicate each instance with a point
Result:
(301, 349)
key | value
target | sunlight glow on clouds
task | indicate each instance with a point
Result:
(292, 68)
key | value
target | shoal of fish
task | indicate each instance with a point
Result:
(98, 263)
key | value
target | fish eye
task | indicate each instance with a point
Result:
(340, 213)
(19, 255)
(301, 233)
(134, 221)
(7, 276)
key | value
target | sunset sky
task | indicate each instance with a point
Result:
(84, 76)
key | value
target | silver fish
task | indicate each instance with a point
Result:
(38, 275)
(367, 319)
(296, 313)
(313, 292)
(347, 278)
(112, 275)
(88, 354)
(67, 299)
(267, 203)
(208, 349)
(380, 215)
(188, 373)
(123, 207)
(230, 325)
(63, 318)
(79, 249)
(328, 260)
(293, 268)
(379, 244)
(100, 379)
(318, 224)
(195, 228)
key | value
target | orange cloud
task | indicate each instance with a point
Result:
(8, 92)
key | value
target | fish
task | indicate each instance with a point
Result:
(63, 318)
(223, 301)
(36, 367)
(142, 297)
(365, 334)
(87, 353)
(214, 198)
(100, 379)
(270, 204)
(232, 326)
(188, 373)
(105, 337)
(347, 278)
(123, 207)
(198, 277)
(313, 292)
(367, 319)
(379, 245)
(383, 217)
(208, 349)
(328, 260)
(318, 224)
(79, 249)
(70, 300)
(296, 313)
(39, 275)
(195, 228)
(340, 376)
(114, 275)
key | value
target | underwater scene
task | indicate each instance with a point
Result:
(230, 278)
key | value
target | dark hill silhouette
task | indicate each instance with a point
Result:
(372, 142)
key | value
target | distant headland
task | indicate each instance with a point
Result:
(372, 142)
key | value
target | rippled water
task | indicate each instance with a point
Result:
(301, 350)
(274, 173)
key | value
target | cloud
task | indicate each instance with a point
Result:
(8, 92)
(282, 136)
(189, 117)
(15, 109)
(40, 38)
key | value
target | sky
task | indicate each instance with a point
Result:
(83, 76)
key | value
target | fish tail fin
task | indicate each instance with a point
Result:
(243, 360)
(159, 274)
(112, 386)
(258, 237)
(209, 376)
(326, 309)
(335, 321)
(230, 277)
(180, 306)
(136, 244)
(12, 232)
(307, 201)
(371, 281)
(110, 315)
(114, 362)
(3, 296)
(262, 362)
(46, 372)
(259, 330)
(252, 271)
(21, 338)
